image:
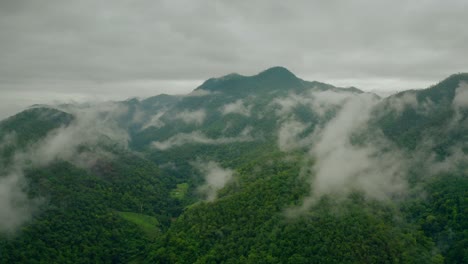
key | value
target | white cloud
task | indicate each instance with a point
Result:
(461, 96)
(7, 140)
(215, 176)
(155, 121)
(318, 101)
(192, 117)
(288, 135)
(340, 166)
(401, 102)
(197, 137)
(92, 126)
(199, 93)
(15, 206)
(237, 107)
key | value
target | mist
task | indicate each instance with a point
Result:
(199, 138)
(342, 167)
(215, 177)
(237, 107)
(92, 127)
(192, 117)
(341, 163)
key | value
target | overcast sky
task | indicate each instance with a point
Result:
(111, 50)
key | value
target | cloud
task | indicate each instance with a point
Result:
(339, 163)
(318, 101)
(455, 159)
(461, 96)
(15, 206)
(215, 176)
(400, 102)
(291, 132)
(93, 127)
(342, 166)
(237, 107)
(200, 93)
(288, 135)
(7, 140)
(289, 103)
(200, 138)
(192, 117)
(155, 121)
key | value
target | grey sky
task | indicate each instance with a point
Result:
(99, 50)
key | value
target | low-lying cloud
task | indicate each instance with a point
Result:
(15, 206)
(155, 121)
(215, 176)
(237, 107)
(401, 102)
(461, 96)
(192, 117)
(197, 137)
(318, 101)
(460, 101)
(341, 164)
(289, 135)
(93, 127)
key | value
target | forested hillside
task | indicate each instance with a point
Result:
(267, 168)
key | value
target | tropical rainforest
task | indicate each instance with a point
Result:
(268, 168)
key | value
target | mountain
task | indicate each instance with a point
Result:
(267, 168)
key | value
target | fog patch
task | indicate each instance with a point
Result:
(246, 132)
(215, 177)
(288, 135)
(318, 101)
(199, 93)
(289, 103)
(15, 206)
(79, 143)
(155, 121)
(342, 166)
(460, 102)
(291, 132)
(138, 117)
(237, 107)
(325, 100)
(7, 141)
(399, 103)
(192, 117)
(456, 159)
(461, 96)
(92, 126)
(200, 138)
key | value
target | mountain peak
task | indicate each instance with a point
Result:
(277, 71)
(272, 78)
